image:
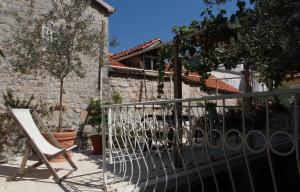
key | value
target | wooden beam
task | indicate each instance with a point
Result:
(177, 95)
(178, 70)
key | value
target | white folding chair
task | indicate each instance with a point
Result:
(44, 150)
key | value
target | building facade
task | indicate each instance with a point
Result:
(77, 91)
(134, 73)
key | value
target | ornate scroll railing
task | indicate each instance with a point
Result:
(190, 144)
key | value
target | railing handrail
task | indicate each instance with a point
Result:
(215, 97)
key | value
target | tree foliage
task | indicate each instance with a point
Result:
(54, 41)
(276, 40)
(263, 36)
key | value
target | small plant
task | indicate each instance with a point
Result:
(117, 98)
(82, 142)
(95, 115)
(10, 100)
(211, 109)
(13, 101)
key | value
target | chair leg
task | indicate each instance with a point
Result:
(44, 160)
(22, 169)
(70, 161)
(53, 172)
(37, 164)
(72, 165)
(50, 168)
(23, 164)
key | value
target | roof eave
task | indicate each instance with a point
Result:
(150, 48)
(101, 5)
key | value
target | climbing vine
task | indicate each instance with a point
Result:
(164, 54)
(200, 50)
(264, 37)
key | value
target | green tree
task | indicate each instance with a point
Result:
(275, 41)
(55, 41)
(264, 37)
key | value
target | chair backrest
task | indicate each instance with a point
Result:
(24, 118)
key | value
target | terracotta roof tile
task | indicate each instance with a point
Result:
(296, 76)
(212, 83)
(115, 63)
(136, 48)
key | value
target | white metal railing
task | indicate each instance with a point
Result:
(167, 145)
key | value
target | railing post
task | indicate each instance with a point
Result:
(177, 134)
(296, 97)
(217, 87)
(104, 148)
(109, 122)
(268, 134)
(244, 141)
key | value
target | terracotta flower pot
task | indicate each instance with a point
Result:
(97, 144)
(65, 139)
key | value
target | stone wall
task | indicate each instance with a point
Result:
(77, 92)
(130, 88)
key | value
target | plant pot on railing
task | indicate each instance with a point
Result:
(95, 120)
(97, 144)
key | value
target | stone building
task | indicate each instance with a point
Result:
(77, 91)
(133, 73)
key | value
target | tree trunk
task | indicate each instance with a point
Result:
(143, 82)
(60, 105)
(141, 91)
(247, 101)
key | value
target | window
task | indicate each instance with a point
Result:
(150, 63)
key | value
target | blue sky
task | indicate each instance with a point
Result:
(137, 21)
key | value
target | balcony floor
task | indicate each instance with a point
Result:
(88, 177)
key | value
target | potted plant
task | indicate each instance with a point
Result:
(95, 120)
(117, 98)
(55, 43)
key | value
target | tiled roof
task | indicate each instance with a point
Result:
(136, 48)
(212, 82)
(115, 63)
(192, 77)
(296, 76)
